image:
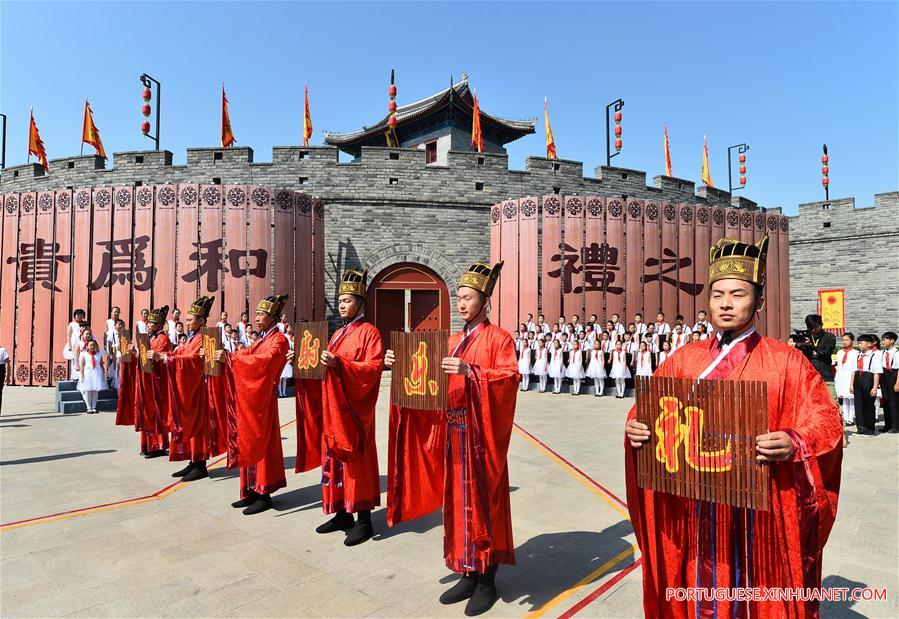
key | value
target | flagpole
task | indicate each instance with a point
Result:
(30, 122)
(82, 127)
(3, 156)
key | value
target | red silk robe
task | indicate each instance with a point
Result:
(124, 414)
(457, 457)
(191, 440)
(257, 370)
(350, 475)
(309, 424)
(687, 543)
(154, 399)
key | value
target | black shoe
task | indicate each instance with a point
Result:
(197, 472)
(246, 502)
(262, 503)
(156, 454)
(341, 521)
(361, 532)
(462, 590)
(187, 469)
(482, 600)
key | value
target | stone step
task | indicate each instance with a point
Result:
(79, 407)
(73, 396)
(67, 385)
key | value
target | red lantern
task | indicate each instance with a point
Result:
(147, 94)
(617, 131)
(392, 106)
(825, 181)
(742, 169)
(145, 127)
(825, 170)
(742, 180)
(392, 90)
(145, 109)
(824, 159)
(392, 121)
(618, 144)
(742, 158)
(617, 117)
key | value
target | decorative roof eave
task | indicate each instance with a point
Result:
(461, 98)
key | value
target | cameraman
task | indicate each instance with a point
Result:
(821, 346)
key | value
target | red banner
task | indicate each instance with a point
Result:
(571, 258)
(235, 280)
(210, 253)
(27, 279)
(783, 278)
(9, 281)
(143, 269)
(758, 231)
(551, 298)
(508, 315)
(303, 250)
(528, 266)
(634, 260)
(595, 236)
(688, 284)
(320, 259)
(187, 284)
(701, 243)
(496, 214)
(284, 258)
(44, 258)
(163, 256)
(613, 258)
(107, 260)
(652, 239)
(258, 255)
(81, 252)
(122, 233)
(62, 309)
(669, 258)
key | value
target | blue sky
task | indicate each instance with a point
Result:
(783, 77)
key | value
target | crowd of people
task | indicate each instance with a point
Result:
(610, 352)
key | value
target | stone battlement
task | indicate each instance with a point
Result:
(381, 174)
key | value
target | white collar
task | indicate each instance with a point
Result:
(726, 349)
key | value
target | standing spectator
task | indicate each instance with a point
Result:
(663, 354)
(644, 360)
(679, 320)
(557, 365)
(243, 328)
(617, 327)
(888, 399)
(822, 347)
(4, 363)
(530, 323)
(702, 321)
(575, 369)
(282, 326)
(679, 338)
(110, 325)
(596, 368)
(619, 369)
(640, 326)
(846, 365)
(287, 372)
(141, 324)
(73, 341)
(576, 326)
(221, 324)
(542, 327)
(541, 363)
(172, 326)
(865, 384)
(182, 339)
(93, 375)
(524, 361)
(663, 330)
(563, 326)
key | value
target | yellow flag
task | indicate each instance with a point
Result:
(667, 155)
(706, 175)
(89, 132)
(550, 140)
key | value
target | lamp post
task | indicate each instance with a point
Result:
(618, 104)
(148, 81)
(3, 155)
(741, 150)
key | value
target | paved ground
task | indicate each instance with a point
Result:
(182, 551)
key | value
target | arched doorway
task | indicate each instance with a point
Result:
(407, 297)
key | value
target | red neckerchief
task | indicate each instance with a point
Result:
(344, 331)
(845, 352)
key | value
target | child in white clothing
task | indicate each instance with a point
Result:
(541, 363)
(596, 368)
(92, 375)
(846, 365)
(556, 366)
(575, 370)
(619, 369)
(643, 363)
(524, 361)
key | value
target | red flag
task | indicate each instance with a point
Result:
(307, 118)
(550, 140)
(227, 134)
(667, 155)
(477, 140)
(89, 132)
(36, 144)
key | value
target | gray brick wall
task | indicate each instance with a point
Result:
(858, 251)
(389, 206)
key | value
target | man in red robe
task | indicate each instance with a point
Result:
(703, 545)
(257, 370)
(354, 360)
(192, 436)
(149, 392)
(457, 457)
